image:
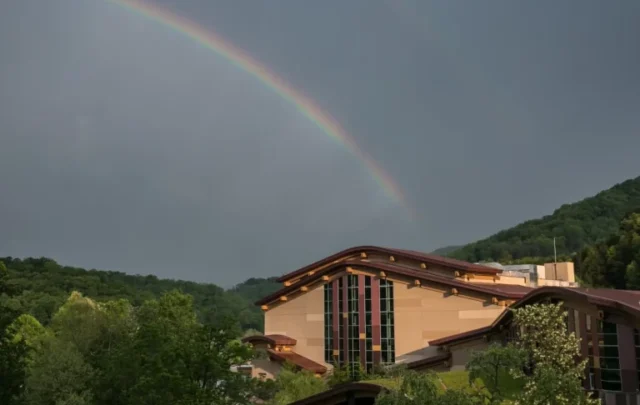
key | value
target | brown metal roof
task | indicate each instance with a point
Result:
(282, 340)
(297, 360)
(500, 290)
(461, 337)
(429, 362)
(341, 393)
(410, 254)
(623, 300)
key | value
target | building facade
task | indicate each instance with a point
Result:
(607, 322)
(370, 306)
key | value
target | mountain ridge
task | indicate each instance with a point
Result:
(573, 225)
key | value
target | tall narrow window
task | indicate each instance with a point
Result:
(353, 323)
(368, 325)
(609, 357)
(346, 314)
(341, 330)
(328, 323)
(387, 327)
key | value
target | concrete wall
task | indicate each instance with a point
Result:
(301, 318)
(422, 314)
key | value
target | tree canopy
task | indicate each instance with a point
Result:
(39, 286)
(113, 353)
(614, 263)
(574, 226)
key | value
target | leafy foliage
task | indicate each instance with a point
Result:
(492, 365)
(292, 385)
(573, 225)
(40, 286)
(614, 263)
(113, 353)
(423, 388)
(557, 376)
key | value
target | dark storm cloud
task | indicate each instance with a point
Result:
(126, 146)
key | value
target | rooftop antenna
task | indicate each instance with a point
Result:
(555, 259)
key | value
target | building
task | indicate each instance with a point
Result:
(548, 274)
(606, 321)
(374, 306)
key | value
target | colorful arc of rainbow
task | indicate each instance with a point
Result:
(240, 59)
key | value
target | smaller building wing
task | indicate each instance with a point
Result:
(297, 360)
(273, 340)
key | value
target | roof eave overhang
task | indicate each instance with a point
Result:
(433, 259)
(387, 268)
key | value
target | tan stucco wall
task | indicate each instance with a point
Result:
(563, 271)
(422, 315)
(301, 318)
(512, 280)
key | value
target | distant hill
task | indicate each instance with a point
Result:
(574, 226)
(38, 286)
(443, 251)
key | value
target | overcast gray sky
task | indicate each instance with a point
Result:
(126, 146)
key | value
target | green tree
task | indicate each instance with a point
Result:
(173, 359)
(498, 367)
(26, 329)
(22, 338)
(59, 375)
(422, 388)
(614, 263)
(557, 376)
(4, 278)
(341, 374)
(13, 370)
(292, 385)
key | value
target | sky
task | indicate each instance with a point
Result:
(125, 145)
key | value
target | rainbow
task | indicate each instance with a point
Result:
(214, 42)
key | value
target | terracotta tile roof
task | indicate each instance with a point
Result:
(623, 300)
(271, 340)
(429, 362)
(500, 290)
(410, 254)
(297, 360)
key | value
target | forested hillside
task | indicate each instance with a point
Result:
(574, 226)
(443, 251)
(614, 263)
(39, 286)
